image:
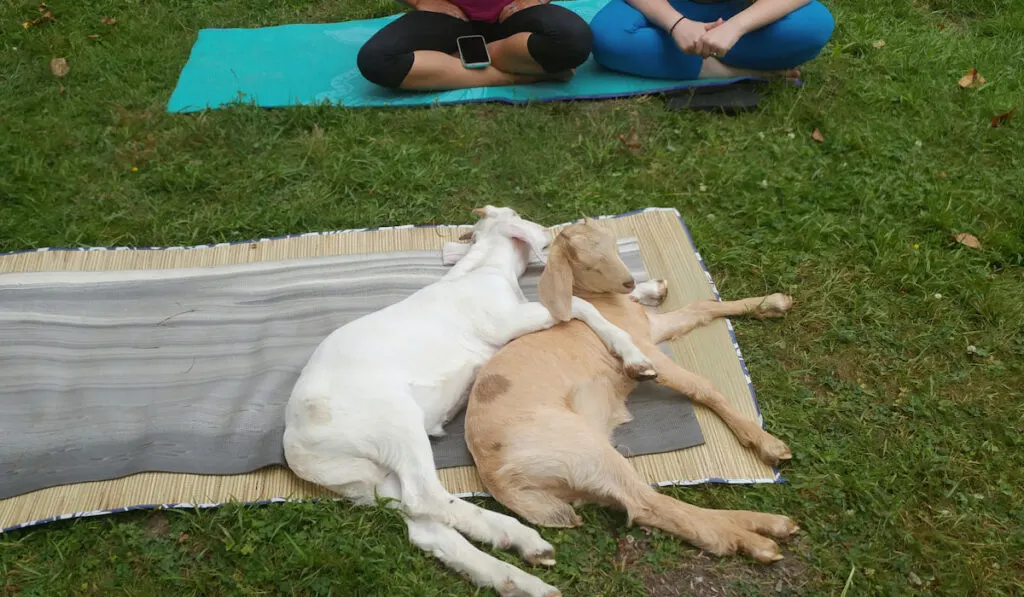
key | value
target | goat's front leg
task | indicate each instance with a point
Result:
(533, 317)
(770, 449)
(665, 326)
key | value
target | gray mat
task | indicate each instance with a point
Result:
(106, 374)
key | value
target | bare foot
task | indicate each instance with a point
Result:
(716, 69)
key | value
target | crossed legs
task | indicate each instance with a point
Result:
(418, 51)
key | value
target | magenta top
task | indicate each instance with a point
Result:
(482, 10)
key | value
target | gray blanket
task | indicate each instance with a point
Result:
(106, 374)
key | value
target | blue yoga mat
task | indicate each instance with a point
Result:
(314, 64)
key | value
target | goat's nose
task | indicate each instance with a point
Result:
(630, 285)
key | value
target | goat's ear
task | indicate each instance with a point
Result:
(555, 287)
(535, 238)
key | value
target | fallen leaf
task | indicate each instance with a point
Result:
(93, 36)
(967, 240)
(62, 89)
(631, 141)
(915, 579)
(878, 45)
(59, 67)
(1003, 119)
(47, 16)
(182, 538)
(972, 79)
(317, 132)
(817, 136)
(108, 21)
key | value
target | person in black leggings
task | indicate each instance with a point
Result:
(528, 41)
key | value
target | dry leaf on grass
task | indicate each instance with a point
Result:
(817, 136)
(1003, 119)
(59, 67)
(631, 141)
(968, 240)
(317, 132)
(108, 21)
(878, 45)
(45, 16)
(972, 79)
(93, 36)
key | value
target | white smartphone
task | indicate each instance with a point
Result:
(473, 51)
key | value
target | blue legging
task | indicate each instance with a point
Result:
(625, 41)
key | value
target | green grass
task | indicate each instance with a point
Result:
(909, 453)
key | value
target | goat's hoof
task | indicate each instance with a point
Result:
(775, 451)
(650, 294)
(640, 369)
(647, 375)
(526, 586)
(767, 553)
(641, 372)
(775, 305)
(545, 558)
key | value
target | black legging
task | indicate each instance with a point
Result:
(561, 40)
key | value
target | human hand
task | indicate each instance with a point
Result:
(515, 6)
(717, 42)
(687, 34)
(441, 6)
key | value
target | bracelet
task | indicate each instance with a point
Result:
(673, 27)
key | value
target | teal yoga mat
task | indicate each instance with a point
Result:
(292, 65)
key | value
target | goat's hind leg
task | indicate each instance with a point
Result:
(409, 455)
(536, 506)
(454, 551)
(665, 326)
(589, 467)
(483, 570)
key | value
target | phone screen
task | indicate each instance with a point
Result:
(473, 49)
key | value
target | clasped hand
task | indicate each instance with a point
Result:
(705, 39)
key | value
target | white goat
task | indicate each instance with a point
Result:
(358, 419)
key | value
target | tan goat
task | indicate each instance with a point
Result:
(542, 410)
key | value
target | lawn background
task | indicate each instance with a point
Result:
(908, 447)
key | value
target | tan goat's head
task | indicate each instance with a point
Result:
(583, 257)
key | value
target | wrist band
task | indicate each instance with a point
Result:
(673, 27)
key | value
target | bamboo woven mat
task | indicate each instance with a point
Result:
(667, 252)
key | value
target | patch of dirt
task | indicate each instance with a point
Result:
(707, 576)
(156, 525)
(698, 574)
(134, 117)
(629, 550)
(137, 152)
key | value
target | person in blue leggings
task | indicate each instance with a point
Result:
(691, 39)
